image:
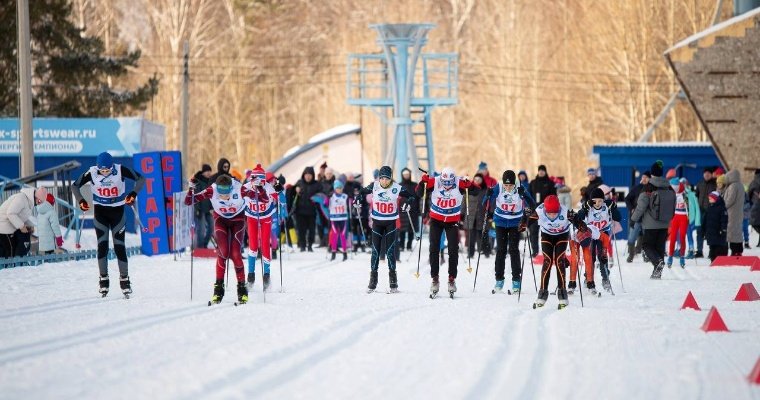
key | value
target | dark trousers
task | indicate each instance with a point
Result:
(717, 251)
(306, 227)
(701, 233)
(553, 247)
(16, 244)
(111, 220)
(654, 244)
(437, 228)
(507, 241)
(736, 248)
(383, 230)
(533, 231)
(204, 228)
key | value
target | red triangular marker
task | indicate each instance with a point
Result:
(747, 292)
(714, 322)
(754, 376)
(690, 302)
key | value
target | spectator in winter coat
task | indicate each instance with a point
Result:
(695, 216)
(15, 224)
(522, 177)
(222, 168)
(48, 228)
(593, 182)
(745, 221)
(541, 187)
(474, 214)
(305, 210)
(406, 238)
(635, 229)
(655, 231)
(754, 199)
(204, 221)
(715, 223)
(487, 178)
(564, 192)
(734, 198)
(327, 180)
(703, 189)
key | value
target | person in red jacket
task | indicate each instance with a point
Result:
(445, 210)
(228, 198)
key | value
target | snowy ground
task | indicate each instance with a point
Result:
(324, 337)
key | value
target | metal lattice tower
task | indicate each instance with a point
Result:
(409, 81)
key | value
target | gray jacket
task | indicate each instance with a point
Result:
(643, 212)
(16, 210)
(734, 198)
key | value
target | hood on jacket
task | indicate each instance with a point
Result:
(219, 165)
(659, 182)
(44, 208)
(309, 170)
(564, 189)
(733, 176)
(29, 193)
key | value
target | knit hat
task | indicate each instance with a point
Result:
(551, 204)
(281, 179)
(385, 172)
(50, 199)
(482, 166)
(508, 177)
(337, 184)
(719, 171)
(597, 194)
(40, 194)
(708, 169)
(591, 171)
(258, 173)
(674, 181)
(205, 168)
(522, 172)
(542, 167)
(714, 195)
(104, 160)
(657, 168)
(269, 177)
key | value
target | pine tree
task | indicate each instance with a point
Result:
(70, 71)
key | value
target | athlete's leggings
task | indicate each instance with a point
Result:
(452, 236)
(338, 235)
(553, 248)
(111, 219)
(383, 229)
(229, 233)
(263, 238)
(678, 226)
(507, 241)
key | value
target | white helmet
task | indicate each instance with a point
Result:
(448, 178)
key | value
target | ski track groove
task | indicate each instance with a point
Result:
(324, 334)
(54, 306)
(100, 332)
(535, 371)
(728, 361)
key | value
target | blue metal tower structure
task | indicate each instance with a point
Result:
(409, 81)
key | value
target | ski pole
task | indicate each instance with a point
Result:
(137, 217)
(261, 243)
(480, 248)
(620, 266)
(192, 241)
(578, 262)
(419, 253)
(467, 217)
(279, 243)
(522, 268)
(80, 219)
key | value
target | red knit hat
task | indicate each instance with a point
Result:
(551, 204)
(258, 172)
(270, 177)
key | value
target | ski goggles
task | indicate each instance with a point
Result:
(224, 189)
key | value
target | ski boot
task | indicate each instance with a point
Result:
(591, 286)
(218, 292)
(266, 281)
(607, 285)
(345, 256)
(746, 245)
(670, 261)
(126, 286)
(435, 286)
(332, 257)
(657, 272)
(515, 287)
(498, 287)
(631, 253)
(372, 282)
(452, 286)
(699, 254)
(571, 287)
(251, 279)
(393, 280)
(541, 300)
(682, 262)
(242, 292)
(104, 284)
(562, 295)
(644, 257)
